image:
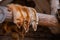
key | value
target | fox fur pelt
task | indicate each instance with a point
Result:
(22, 18)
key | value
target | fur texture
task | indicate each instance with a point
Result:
(22, 17)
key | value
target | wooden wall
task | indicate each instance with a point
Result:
(43, 6)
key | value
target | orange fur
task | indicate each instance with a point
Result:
(18, 21)
(34, 25)
(26, 20)
(21, 17)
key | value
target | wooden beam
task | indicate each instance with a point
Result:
(54, 6)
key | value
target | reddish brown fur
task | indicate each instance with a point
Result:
(15, 31)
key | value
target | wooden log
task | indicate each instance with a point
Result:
(49, 21)
(45, 20)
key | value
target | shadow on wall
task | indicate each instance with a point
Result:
(30, 3)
